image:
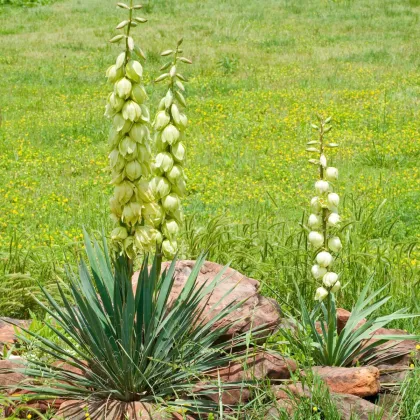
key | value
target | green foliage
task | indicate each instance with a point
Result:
(409, 405)
(330, 348)
(26, 3)
(19, 267)
(127, 343)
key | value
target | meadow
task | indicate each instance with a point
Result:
(261, 72)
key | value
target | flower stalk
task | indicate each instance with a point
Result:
(169, 181)
(324, 220)
(130, 144)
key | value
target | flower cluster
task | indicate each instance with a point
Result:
(168, 184)
(324, 219)
(129, 140)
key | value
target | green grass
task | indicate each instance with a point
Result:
(261, 72)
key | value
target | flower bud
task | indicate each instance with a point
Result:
(164, 161)
(169, 248)
(314, 221)
(144, 191)
(323, 161)
(116, 161)
(109, 111)
(124, 192)
(318, 272)
(131, 213)
(321, 294)
(175, 114)
(180, 187)
(322, 186)
(316, 239)
(116, 207)
(145, 114)
(171, 202)
(315, 204)
(336, 287)
(143, 153)
(183, 122)
(120, 124)
(170, 228)
(134, 70)
(116, 102)
(145, 237)
(162, 119)
(113, 74)
(161, 187)
(331, 173)
(170, 134)
(333, 200)
(139, 133)
(131, 111)
(119, 233)
(334, 244)
(114, 138)
(139, 94)
(153, 214)
(333, 220)
(128, 148)
(178, 151)
(175, 173)
(123, 88)
(329, 279)
(133, 170)
(324, 259)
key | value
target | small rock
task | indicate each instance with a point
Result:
(256, 311)
(359, 381)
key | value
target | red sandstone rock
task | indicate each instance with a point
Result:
(7, 330)
(260, 366)
(255, 312)
(359, 381)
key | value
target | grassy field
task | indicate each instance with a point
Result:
(262, 70)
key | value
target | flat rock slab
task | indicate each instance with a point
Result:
(358, 381)
(255, 312)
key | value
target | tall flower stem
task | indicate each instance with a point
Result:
(321, 176)
(324, 219)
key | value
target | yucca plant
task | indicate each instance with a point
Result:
(129, 345)
(352, 345)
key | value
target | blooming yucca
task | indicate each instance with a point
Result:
(129, 140)
(324, 218)
(168, 184)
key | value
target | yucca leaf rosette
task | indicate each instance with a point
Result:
(130, 142)
(324, 220)
(169, 182)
